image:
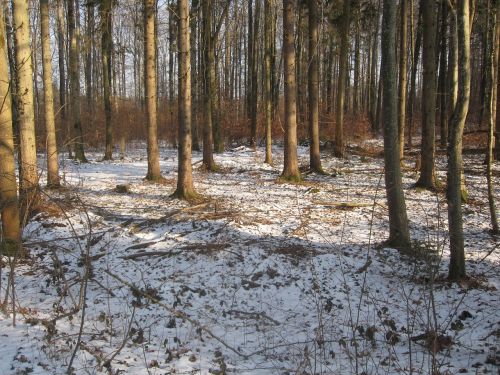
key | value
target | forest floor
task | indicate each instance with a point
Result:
(257, 277)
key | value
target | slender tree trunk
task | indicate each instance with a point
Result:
(88, 57)
(291, 166)
(61, 51)
(194, 76)
(413, 80)
(208, 158)
(106, 53)
(74, 67)
(496, 131)
(357, 66)
(185, 188)
(9, 204)
(342, 82)
(313, 82)
(154, 173)
(443, 94)
(427, 177)
(398, 222)
(496, 138)
(29, 190)
(250, 68)
(453, 190)
(373, 75)
(492, 78)
(268, 100)
(254, 77)
(403, 58)
(51, 144)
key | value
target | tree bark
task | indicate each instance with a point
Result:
(150, 83)
(9, 205)
(443, 93)
(290, 168)
(185, 188)
(74, 67)
(268, 100)
(106, 53)
(492, 77)
(453, 191)
(398, 222)
(51, 143)
(313, 87)
(403, 58)
(194, 76)
(427, 179)
(61, 52)
(413, 79)
(254, 76)
(208, 62)
(29, 188)
(372, 101)
(342, 81)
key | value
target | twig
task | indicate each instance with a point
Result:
(176, 313)
(144, 254)
(107, 363)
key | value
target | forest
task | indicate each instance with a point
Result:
(296, 187)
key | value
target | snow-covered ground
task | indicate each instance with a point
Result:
(260, 277)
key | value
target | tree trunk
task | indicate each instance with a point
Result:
(154, 173)
(268, 100)
(398, 222)
(427, 179)
(403, 57)
(185, 188)
(372, 110)
(413, 80)
(51, 143)
(74, 67)
(61, 52)
(194, 76)
(106, 53)
(208, 62)
(443, 94)
(29, 191)
(313, 87)
(492, 78)
(342, 82)
(88, 57)
(9, 205)
(357, 66)
(453, 190)
(254, 77)
(290, 168)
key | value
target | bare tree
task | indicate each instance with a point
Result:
(342, 81)
(403, 64)
(74, 68)
(9, 205)
(106, 53)
(29, 189)
(290, 168)
(492, 98)
(154, 173)
(208, 94)
(313, 87)
(268, 100)
(457, 123)
(185, 188)
(51, 144)
(398, 222)
(427, 177)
